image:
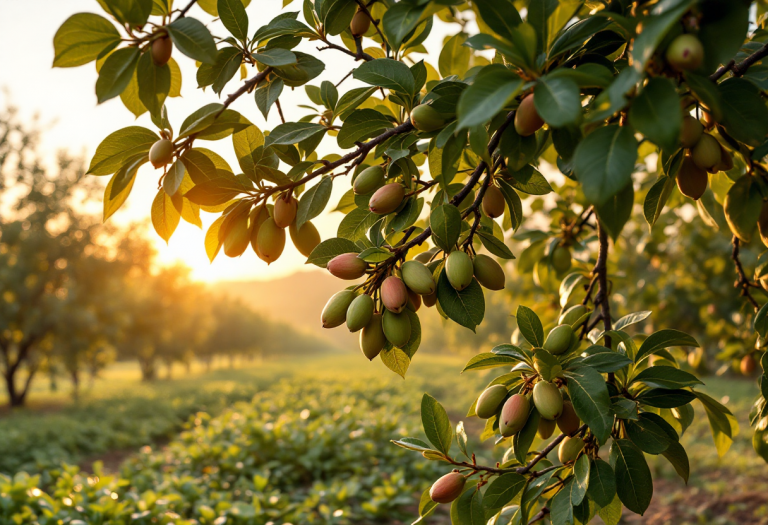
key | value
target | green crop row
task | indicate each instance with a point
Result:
(35, 443)
(300, 453)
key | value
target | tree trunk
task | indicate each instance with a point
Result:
(75, 375)
(17, 396)
(148, 371)
(10, 387)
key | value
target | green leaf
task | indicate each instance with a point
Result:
(200, 119)
(305, 69)
(501, 16)
(604, 162)
(396, 360)
(336, 15)
(223, 125)
(468, 509)
(665, 398)
(677, 456)
(721, 421)
(616, 211)
(489, 360)
(436, 424)
(313, 201)
(611, 514)
(426, 506)
(606, 361)
(723, 29)
(329, 95)
(745, 115)
(357, 223)
(495, 245)
(293, 132)
(351, 100)
(602, 482)
(530, 326)
(408, 215)
(454, 57)
(614, 98)
(634, 483)
(330, 248)
(577, 34)
(360, 125)
(445, 222)
(232, 14)
(267, 95)
(663, 339)
(561, 510)
(581, 477)
(742, 207)
(248, 145)
(514, 204)
(656, 113)
(466, 307)
(193, 39)
(493, 87)
(215, 191)
(82, 38)
(501, 492)
(655, 28)
(154, 83)
(523, 440)
(387, 73)
(275, 57)
(399, 20)
(656, 198)
(118, 147)
(227, 64)
(411, 443)
(760, 324)
(123, 178)
(630, 319)
(116, 73)
(591, 401)
(666, 377)
(131, 12)
(530, 181)
(648, 436)
(165, 216)
(558, 101)
(707, 92)
(174, 177)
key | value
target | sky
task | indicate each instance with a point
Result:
(65, 101)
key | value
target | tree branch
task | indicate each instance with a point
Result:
(360, 55)
(520, 470)
(247, 86)
(361, 5)
(601, 271)
(743, 281)
(186, 8)
(361, 151)
(462, 194)
(540, 516)
(742, 67)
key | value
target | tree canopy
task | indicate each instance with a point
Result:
(575, 109)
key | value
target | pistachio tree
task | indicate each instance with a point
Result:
(588, 102)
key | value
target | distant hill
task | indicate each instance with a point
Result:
(296, 299)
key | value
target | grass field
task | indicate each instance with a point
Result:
(121, 418)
